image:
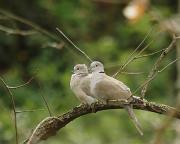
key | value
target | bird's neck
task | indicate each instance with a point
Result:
(98, 75)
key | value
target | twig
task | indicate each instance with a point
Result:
(133, 73)
(70, 41)
(135, 58)
(23, 111)
(150, 54)
(144, 83)
(54, 45)
(155, 72)
(29, 23)
(2, 17)
(16, 31)
(13, 106)
(155, 68)
(44, 99)
(50, 125)
(177, 59)
(163, 127)
(22, 85)
(131, 57)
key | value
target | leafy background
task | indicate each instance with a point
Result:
(101, 30)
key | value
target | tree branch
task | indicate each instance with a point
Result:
(50, 125)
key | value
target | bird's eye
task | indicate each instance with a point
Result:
(77, 68)
(96, 65)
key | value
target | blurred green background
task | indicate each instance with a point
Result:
(101, 30)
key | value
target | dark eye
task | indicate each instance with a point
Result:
(77, 68)
(96, 65)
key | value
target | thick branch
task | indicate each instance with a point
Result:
(50, 125)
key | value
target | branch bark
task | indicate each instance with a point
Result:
(50, 125)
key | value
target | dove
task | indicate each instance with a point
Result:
(80, 84)
(106, 88)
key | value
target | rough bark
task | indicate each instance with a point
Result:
(50, 125)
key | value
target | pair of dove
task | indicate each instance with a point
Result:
(97, 86)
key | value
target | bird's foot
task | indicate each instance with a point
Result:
(93, 107)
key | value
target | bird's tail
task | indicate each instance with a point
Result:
(133, 118)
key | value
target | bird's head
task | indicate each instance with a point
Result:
(80, 69)
(96, 66)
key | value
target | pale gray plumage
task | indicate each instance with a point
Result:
(80, 84)
(105, 88)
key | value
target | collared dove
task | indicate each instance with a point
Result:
(105, 88)
(80, 84)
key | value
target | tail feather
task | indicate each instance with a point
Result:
(133, 118)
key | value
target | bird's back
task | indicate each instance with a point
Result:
(109, 88)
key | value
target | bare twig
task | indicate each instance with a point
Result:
(22, 85)
(54, 45)
(2, 17)
(16, 31)
(162, 128)
(133, 73)
(150, 54)
(155, 70)
(131, 57)
(70, 41)
(13, 107)
(34, 110)
(50, 125)
(29, 23)
(44, 99)
(177, 59)
(156, 66)
(135, 58)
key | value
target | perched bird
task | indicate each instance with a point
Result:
(105, 88)
(80, 84)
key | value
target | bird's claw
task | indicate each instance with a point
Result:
(93, 107)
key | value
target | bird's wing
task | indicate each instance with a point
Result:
(110, 89)
(119, 83)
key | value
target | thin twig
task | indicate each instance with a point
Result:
(44, 99)
(2, 17)
(162, 128)
(155, 68)
(54, 45)
(150, 54)
(70, 41)
(16, 31)
(22, 85)
(29, 23)
(177, 59)
(144, 83)
(13, 107)
(131, 58)
(135, 58)
(150, 79)
(34, 110)
(133, 73)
